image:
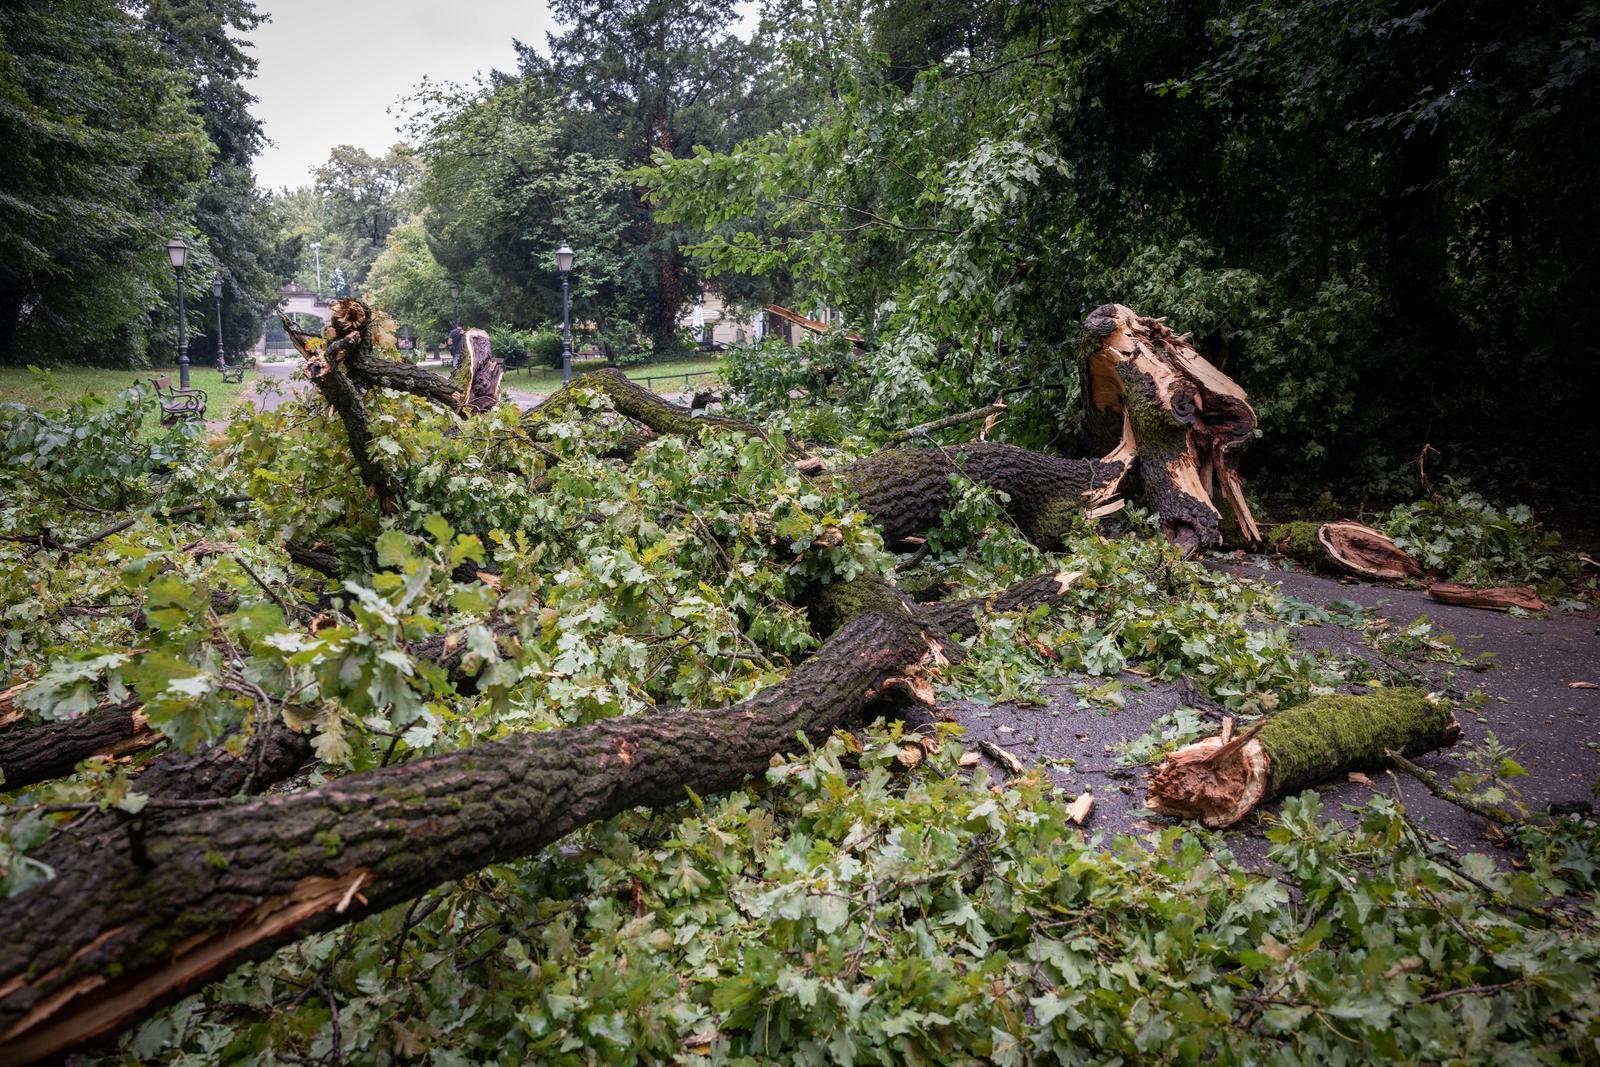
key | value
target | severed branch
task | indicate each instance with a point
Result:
(37, 754)
(927, 429)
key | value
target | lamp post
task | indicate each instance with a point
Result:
(216, 291)
(178, 252)
(455, 303)
(564, 265)
(316, 247)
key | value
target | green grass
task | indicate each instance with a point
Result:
(66, 384)
(545, 380)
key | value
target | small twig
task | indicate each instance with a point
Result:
(1434, 785)
(265, 588)
(412, 919)
(1467, 990)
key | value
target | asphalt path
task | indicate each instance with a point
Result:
(1553, 728)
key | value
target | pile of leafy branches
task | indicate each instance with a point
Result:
(840, 911)
(1459, 534)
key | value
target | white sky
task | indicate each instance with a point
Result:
(334, 71)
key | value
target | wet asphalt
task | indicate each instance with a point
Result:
(1553, 729)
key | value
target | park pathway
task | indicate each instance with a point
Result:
(276, 385)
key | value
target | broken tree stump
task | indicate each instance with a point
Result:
(1347, 547)
(1170, 419)
(1220, 781)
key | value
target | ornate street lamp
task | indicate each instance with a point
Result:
(455, 303)
(316, 246)
(178, 252)
(564, 265)
(216, 291)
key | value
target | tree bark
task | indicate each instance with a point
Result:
(1499, 598)
(37, 754)
(122, 930)
(907, 490)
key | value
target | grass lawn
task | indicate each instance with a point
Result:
(668, 375)
(68, 383)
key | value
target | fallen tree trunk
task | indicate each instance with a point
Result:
(907, 490)
(37, 754)
(1220, 780)
(122, 930)
(1347, 547)
(1168, 420)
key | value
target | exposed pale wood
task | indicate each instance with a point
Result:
(1187, 420)
(1500, 598)
(811, 325)
(1367, 552)
(1213, 781)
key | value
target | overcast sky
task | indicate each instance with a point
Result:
(334, 71)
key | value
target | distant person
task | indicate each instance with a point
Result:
(456, 334)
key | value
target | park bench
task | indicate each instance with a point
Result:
(233, 372)
(178, 403)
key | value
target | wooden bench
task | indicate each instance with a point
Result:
(233, 372)
(178, 403)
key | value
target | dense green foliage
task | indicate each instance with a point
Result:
(125, 124)
(839, 912)
(1367, 200)
(521, 162)
(1460, 536)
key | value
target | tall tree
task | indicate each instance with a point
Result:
(101, 165)
(640, 76)
(364, 197)
(204, 41)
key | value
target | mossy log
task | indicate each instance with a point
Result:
(1345, 547)
(1220, 780)
(1174, 422)
(33, 754)
(121, 930)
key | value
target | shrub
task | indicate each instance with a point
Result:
(544, 347)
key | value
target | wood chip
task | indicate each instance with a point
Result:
(909, 756)
(1502, 598)
(1011, 763)
(969, 759)
(1360, 779)
(1583, 685)
(1078, 811)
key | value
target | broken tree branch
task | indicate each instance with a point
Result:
(108, 940)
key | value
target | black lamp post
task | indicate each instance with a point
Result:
(455, 303)
(178, 252)
(564, 265)
(216, 291)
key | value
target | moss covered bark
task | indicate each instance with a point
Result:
(1326, 736)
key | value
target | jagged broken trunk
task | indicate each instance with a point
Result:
(1171, 422)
